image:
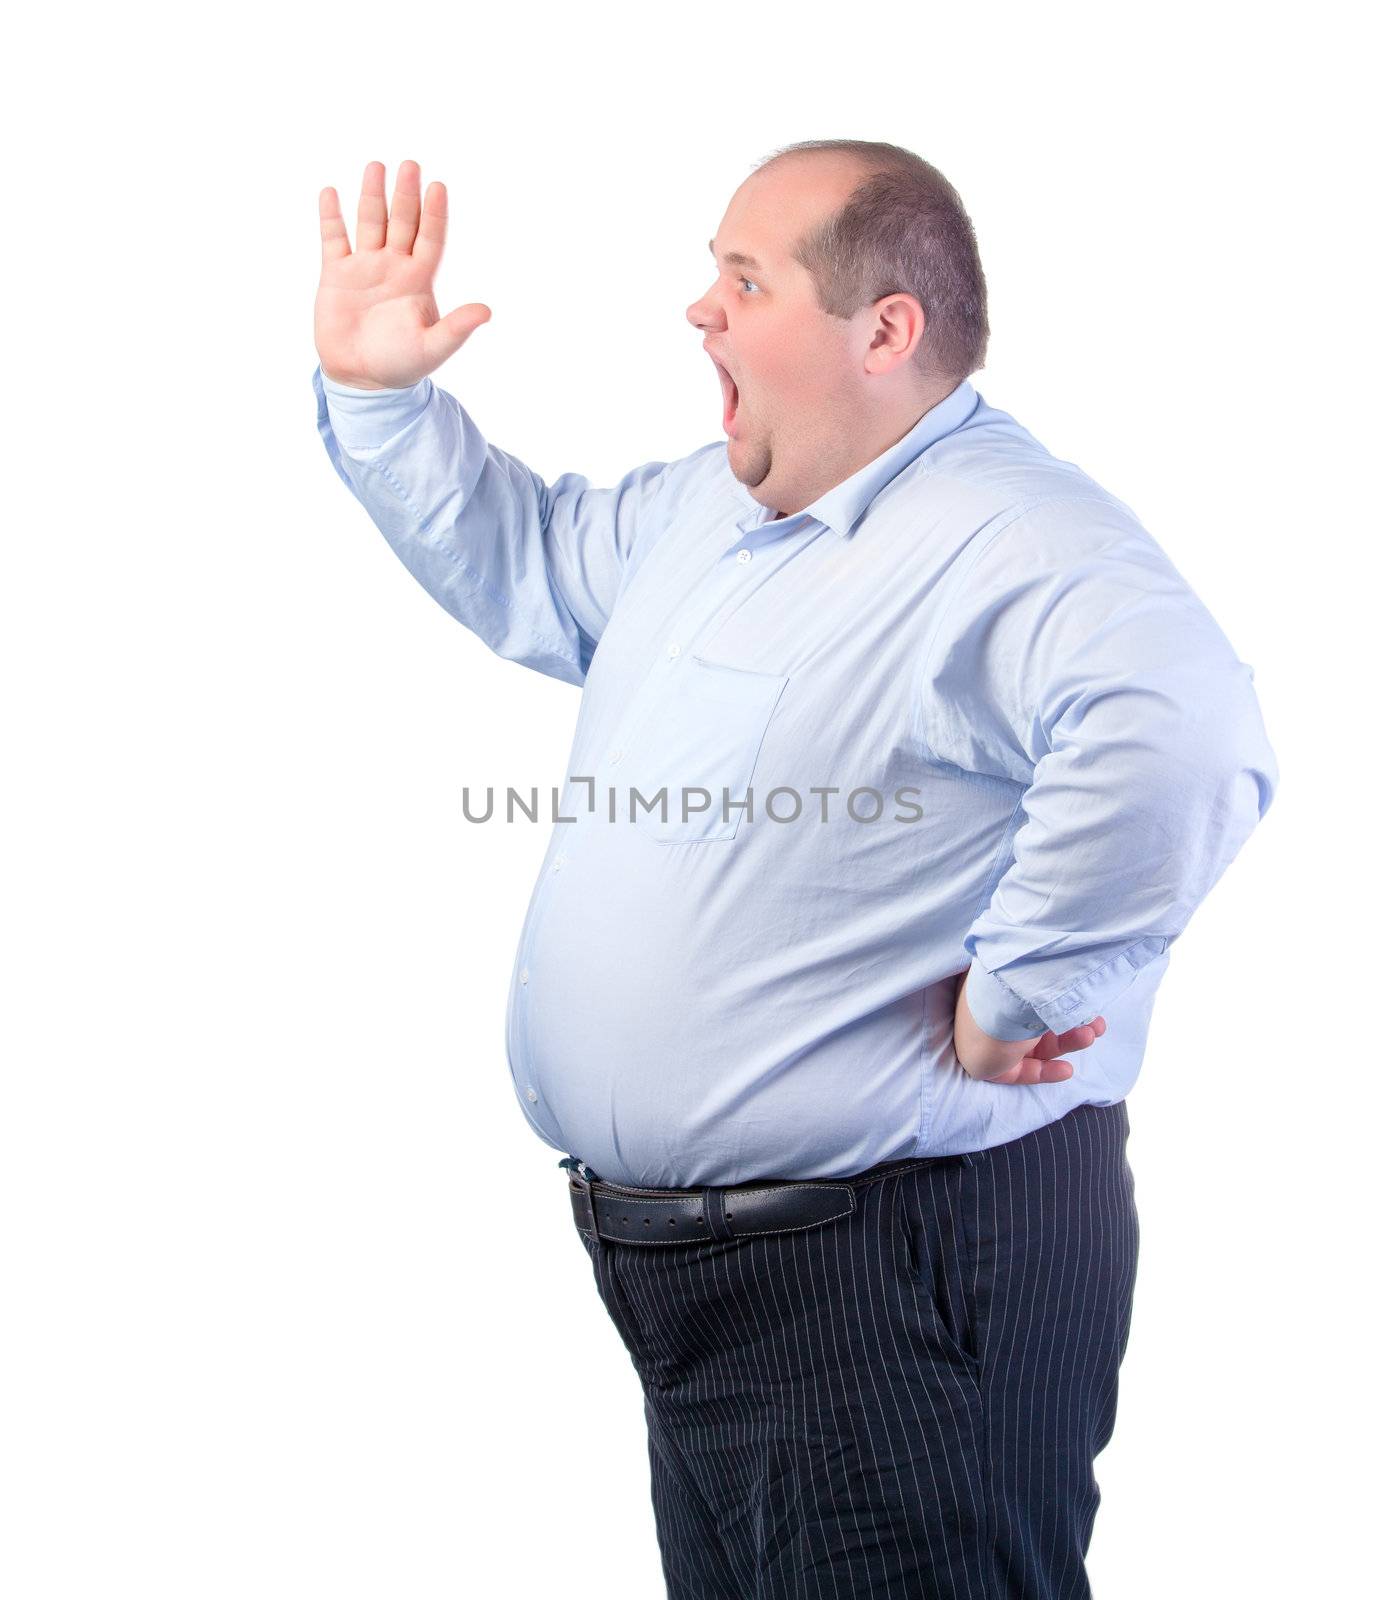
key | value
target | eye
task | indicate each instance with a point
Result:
(751, 281)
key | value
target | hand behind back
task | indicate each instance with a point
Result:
(1036, 1060)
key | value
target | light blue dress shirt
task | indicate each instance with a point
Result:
(968, 640)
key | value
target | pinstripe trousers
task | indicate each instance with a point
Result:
(905, 1402)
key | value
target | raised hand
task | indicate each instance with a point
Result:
(377, 325)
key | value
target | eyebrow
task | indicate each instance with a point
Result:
(734, 257)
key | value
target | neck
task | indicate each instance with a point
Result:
(879, 434)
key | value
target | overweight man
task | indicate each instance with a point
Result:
(904, 755)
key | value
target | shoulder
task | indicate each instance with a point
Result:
(1029, 512)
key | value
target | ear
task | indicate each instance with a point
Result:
(899, 324)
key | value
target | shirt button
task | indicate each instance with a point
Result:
(743, 556)
(525, 975)
(673, 650)
(615, 756)
(532, 1096)
(557, 863)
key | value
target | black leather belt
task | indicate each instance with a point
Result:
(623, 1214)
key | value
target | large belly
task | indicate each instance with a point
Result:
(687, 1015)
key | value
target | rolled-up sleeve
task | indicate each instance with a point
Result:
(1075, 660)
(532, 568)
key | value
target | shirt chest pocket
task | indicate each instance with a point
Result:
(701, 737)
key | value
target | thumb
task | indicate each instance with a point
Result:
(445, 337)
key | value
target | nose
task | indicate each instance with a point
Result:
(705, 314)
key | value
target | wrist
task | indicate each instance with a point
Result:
(981, 1054)
(348, 381)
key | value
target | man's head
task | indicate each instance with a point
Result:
(865, 306)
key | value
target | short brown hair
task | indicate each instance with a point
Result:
(902, 230)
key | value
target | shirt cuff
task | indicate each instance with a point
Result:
(1004, 1014)
(366, 418)
(997, 1010)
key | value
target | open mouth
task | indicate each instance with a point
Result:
(730, 397)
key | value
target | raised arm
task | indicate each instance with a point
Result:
(533, 568)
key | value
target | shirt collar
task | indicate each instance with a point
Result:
(842, 507)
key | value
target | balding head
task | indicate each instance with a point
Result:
(825, 354)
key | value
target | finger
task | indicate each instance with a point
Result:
(1053, 1072)
(372, 228)
(1074, 1039)
(430, 240)
(334, 236)
(406, 208)
(442, 340)
(1052, 1044)
(1034, 1070)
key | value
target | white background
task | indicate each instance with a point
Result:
(294, 1304)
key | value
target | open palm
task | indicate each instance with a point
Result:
(377, 325)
